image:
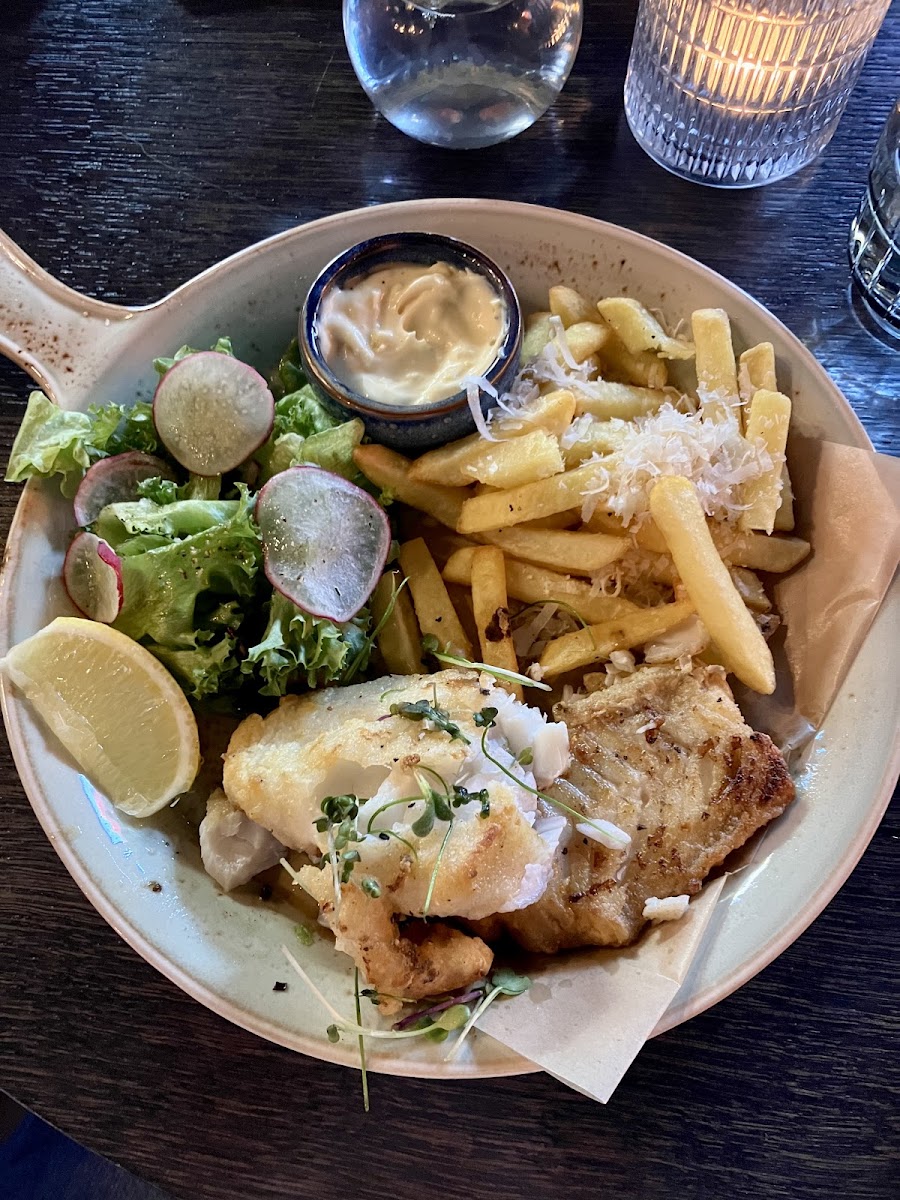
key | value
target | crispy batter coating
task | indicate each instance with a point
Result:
(410, 961)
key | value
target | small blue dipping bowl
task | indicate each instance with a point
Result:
(410, 429)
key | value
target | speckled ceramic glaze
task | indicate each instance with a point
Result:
(224, 950)
(409, 429)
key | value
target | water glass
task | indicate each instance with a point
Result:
(875, 232)
(736, 93)
(462, 73)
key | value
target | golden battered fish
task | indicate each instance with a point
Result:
(666, 757)
(494, 854)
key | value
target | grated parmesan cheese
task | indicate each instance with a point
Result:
(714, 454)
(669, 908)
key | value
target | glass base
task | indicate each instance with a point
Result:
(717, 174)
(873, 321)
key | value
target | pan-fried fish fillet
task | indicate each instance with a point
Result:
(667, 757)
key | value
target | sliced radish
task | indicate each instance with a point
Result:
(111, 480)
(92, 573)
(212, 412)
(325, 541)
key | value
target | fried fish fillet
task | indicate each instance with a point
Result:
(345, 741)
(489, 853)
(412, 960)
(667, 757)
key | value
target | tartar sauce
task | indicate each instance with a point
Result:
(409, 334)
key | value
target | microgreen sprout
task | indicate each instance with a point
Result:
(422, 710)
(361, 1037)
(304, 934)
(371, 887)
(486, 720)
(338, 822)
(504, 982)
(430, 645)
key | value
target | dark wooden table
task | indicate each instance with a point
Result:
(140, 143)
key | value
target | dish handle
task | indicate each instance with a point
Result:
(56, 334)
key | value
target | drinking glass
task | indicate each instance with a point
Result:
(736, 93)
(462, 73)
(875, 232)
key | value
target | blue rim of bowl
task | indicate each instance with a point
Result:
(360, 260)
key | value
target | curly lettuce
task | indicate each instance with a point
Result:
(299, 649)
(189, 577)
(53, 441)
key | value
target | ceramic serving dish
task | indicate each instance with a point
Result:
(224, 950)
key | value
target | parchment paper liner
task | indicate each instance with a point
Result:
(588, 1014)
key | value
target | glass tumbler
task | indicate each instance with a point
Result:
(462, 73)
(736, 93)
(875, 232)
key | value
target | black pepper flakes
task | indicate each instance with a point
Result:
(279, 986)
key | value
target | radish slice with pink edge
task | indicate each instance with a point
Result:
(113, 479)
(92, 574)
(212, 412)
(325, 541)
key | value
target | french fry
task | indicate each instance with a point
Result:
(570, 306)
(399, 640)
(538, 332)
(497, 510)
(751, 590)
(590, 436)
(573, 651)
(606, 400)
(390, 471)
(502, 464)
(489, 602)
(563, 520)
(784, 518)
(533, 584)
(756, 371)
(716, 372)
(677, 511)
(767, 420)
(585, 338)
(553, 413)
(434, 608)
(639, 330)
(441, 541)
(760, 552)
(601, 521)
(643, 369)
(569, 553)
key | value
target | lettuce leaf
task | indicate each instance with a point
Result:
(161, 365)
(289, 375)
(299, 649)
(302, 412)
(166, 491)
(190, 579)
(331, 449)
(53, 441)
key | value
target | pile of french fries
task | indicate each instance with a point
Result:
(497, 525)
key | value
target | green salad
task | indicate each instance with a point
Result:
(185, 550)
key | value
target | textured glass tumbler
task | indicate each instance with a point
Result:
(875, 232)
(736, 93)
(462, 73)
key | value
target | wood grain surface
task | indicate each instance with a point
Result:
(142, 142)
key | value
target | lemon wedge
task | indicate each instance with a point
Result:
(118, 711)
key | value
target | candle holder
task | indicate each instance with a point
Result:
(737, 93)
